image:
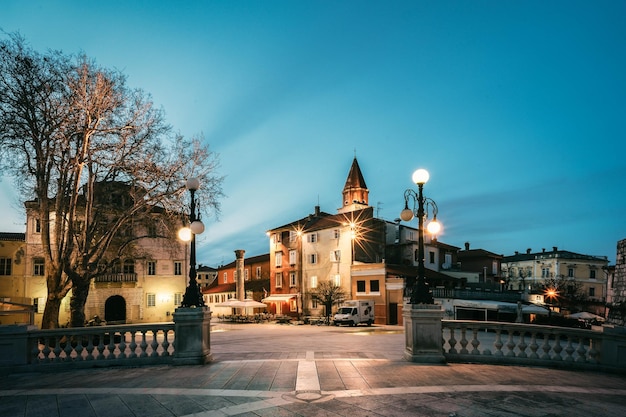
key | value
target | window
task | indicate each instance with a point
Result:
(258, 272)
(360, 286)
(225, 279)
(151, 268)
(410, 235)
(570, 272)
(494, 268)
(313, 282)
(592, 274)
(292, 279)
(178, 298)
(129, 266)
(178, 268)
(152, 230)
(314, 303)
(5, 266)
(337, 280)
(336, 234)
(37, 226)
(38, 267)
(278, 237)
(150, 300)
(292, 257)
(335, 255)
(431, 257)
(279, 259)
(592, 292)
(293, 235)
(311, 238)
(545, 272)
(246, 275)
(279, 280)
(293, 305)
(375, 286)
(313, 258)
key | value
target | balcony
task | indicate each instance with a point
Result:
(117, 278)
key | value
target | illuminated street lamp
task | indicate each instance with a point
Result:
(193, 296)
(417, 290)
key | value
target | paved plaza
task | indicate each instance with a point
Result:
(285, 370)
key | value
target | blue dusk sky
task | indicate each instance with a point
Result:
(516, 108)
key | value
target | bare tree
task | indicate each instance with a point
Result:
(77, 130)
(328, 294)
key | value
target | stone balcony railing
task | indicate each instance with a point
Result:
(184, 341)
(117, 278)
(533, 345)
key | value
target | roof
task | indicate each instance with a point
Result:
(321, 220)
(247, 261)
(355, 177)
(477, 253)
(14, 237)
(255, 285)
(555, 253)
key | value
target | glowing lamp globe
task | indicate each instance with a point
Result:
(420, 176)
(184, 234)
(434, 227)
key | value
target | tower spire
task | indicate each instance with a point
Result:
(355, 195)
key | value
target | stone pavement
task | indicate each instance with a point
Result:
(283, 370)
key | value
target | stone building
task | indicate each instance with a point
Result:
(616, 297)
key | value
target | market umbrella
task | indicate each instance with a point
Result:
(228, 303)
(247, 303)
(585, 315)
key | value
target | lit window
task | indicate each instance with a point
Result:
(313, 282)
(337, 280)
(178, 298)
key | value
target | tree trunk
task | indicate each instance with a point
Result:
(50, 319)
(80, 291)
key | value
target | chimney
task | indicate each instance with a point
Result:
(555, 249)
(317, 211)
(528, 251)
(516, 252)
(467, 245)
(543, 250)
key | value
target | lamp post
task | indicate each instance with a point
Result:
(193, 296)
(417, 290)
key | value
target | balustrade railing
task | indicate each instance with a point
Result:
(128, 277)
(526, 344)
(137, 344)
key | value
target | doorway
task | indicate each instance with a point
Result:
(115, 310)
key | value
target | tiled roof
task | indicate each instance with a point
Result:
(14, 237)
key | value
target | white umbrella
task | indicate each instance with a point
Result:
(228, 303)
(585, 315)
(247, 303)
(535, 309)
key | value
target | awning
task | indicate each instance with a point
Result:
(279, 298)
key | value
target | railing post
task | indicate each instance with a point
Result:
(192, 335)
(422, 330)
(14, 347)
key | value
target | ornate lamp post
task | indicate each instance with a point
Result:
(418, 291)
(193, 296)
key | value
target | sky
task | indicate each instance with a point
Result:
(516, 108)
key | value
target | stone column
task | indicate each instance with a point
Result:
(192, 327)
(422, 332)
(241, 290)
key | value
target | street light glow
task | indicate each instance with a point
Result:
(421, 176)
(184, 234)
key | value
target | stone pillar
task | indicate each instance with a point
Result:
(422, 332)
(14, 345)
(241, 290)
(192, 327)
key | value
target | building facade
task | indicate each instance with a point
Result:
(532, 272)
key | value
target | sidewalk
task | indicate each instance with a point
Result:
(274, 370)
